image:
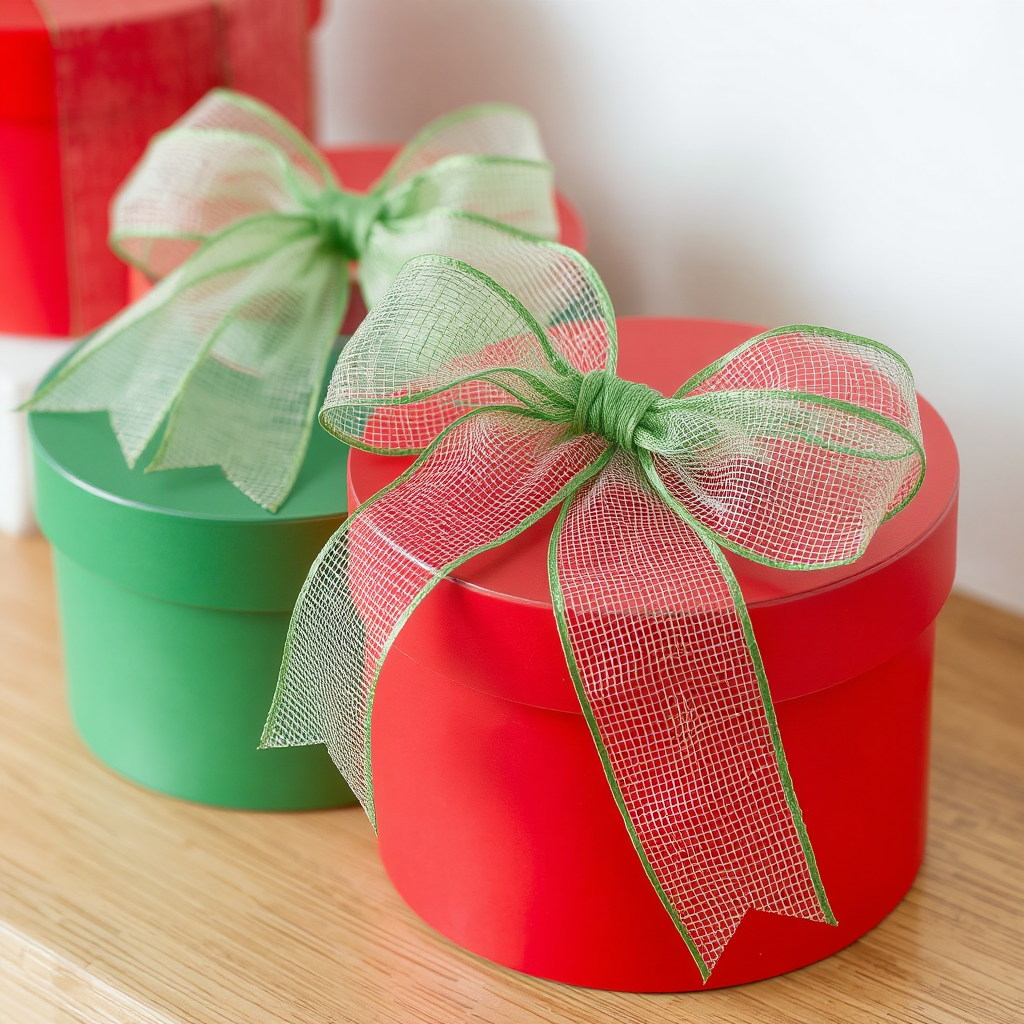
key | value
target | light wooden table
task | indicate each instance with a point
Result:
(119, 905)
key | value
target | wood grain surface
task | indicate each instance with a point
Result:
(117, 905)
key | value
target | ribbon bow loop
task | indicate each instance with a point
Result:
(791, 449)
(519, 327)
(227, 159)
(251, 238)
(794, 448)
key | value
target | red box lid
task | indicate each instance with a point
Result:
(490, 626)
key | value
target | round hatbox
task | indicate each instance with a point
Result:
(496, 822)
(175, 593)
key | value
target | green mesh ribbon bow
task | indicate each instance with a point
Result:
(253, 238)
(790, 450)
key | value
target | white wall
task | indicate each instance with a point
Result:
(855, 164)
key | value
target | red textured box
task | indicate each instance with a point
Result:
(84, 84)
(496, 822)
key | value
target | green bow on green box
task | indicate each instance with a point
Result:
(253, 241)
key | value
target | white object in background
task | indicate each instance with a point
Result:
(23, 364)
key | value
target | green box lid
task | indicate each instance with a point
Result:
(184, 535)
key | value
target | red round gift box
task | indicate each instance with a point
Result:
(496, 823)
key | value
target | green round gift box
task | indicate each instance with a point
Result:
(175, 592)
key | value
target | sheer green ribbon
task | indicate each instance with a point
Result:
(790, 450)
(253, 239)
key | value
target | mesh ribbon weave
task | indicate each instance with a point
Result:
(252, 238)
(791, 449)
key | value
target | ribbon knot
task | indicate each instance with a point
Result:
(344, 219)
(612, 407)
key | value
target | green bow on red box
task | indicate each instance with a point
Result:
(790, 450)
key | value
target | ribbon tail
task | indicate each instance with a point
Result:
(655, 632)
(486, 478)
(133, 367)
(249, 404)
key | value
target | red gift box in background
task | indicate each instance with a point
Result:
(84, 84)
(496, 822)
